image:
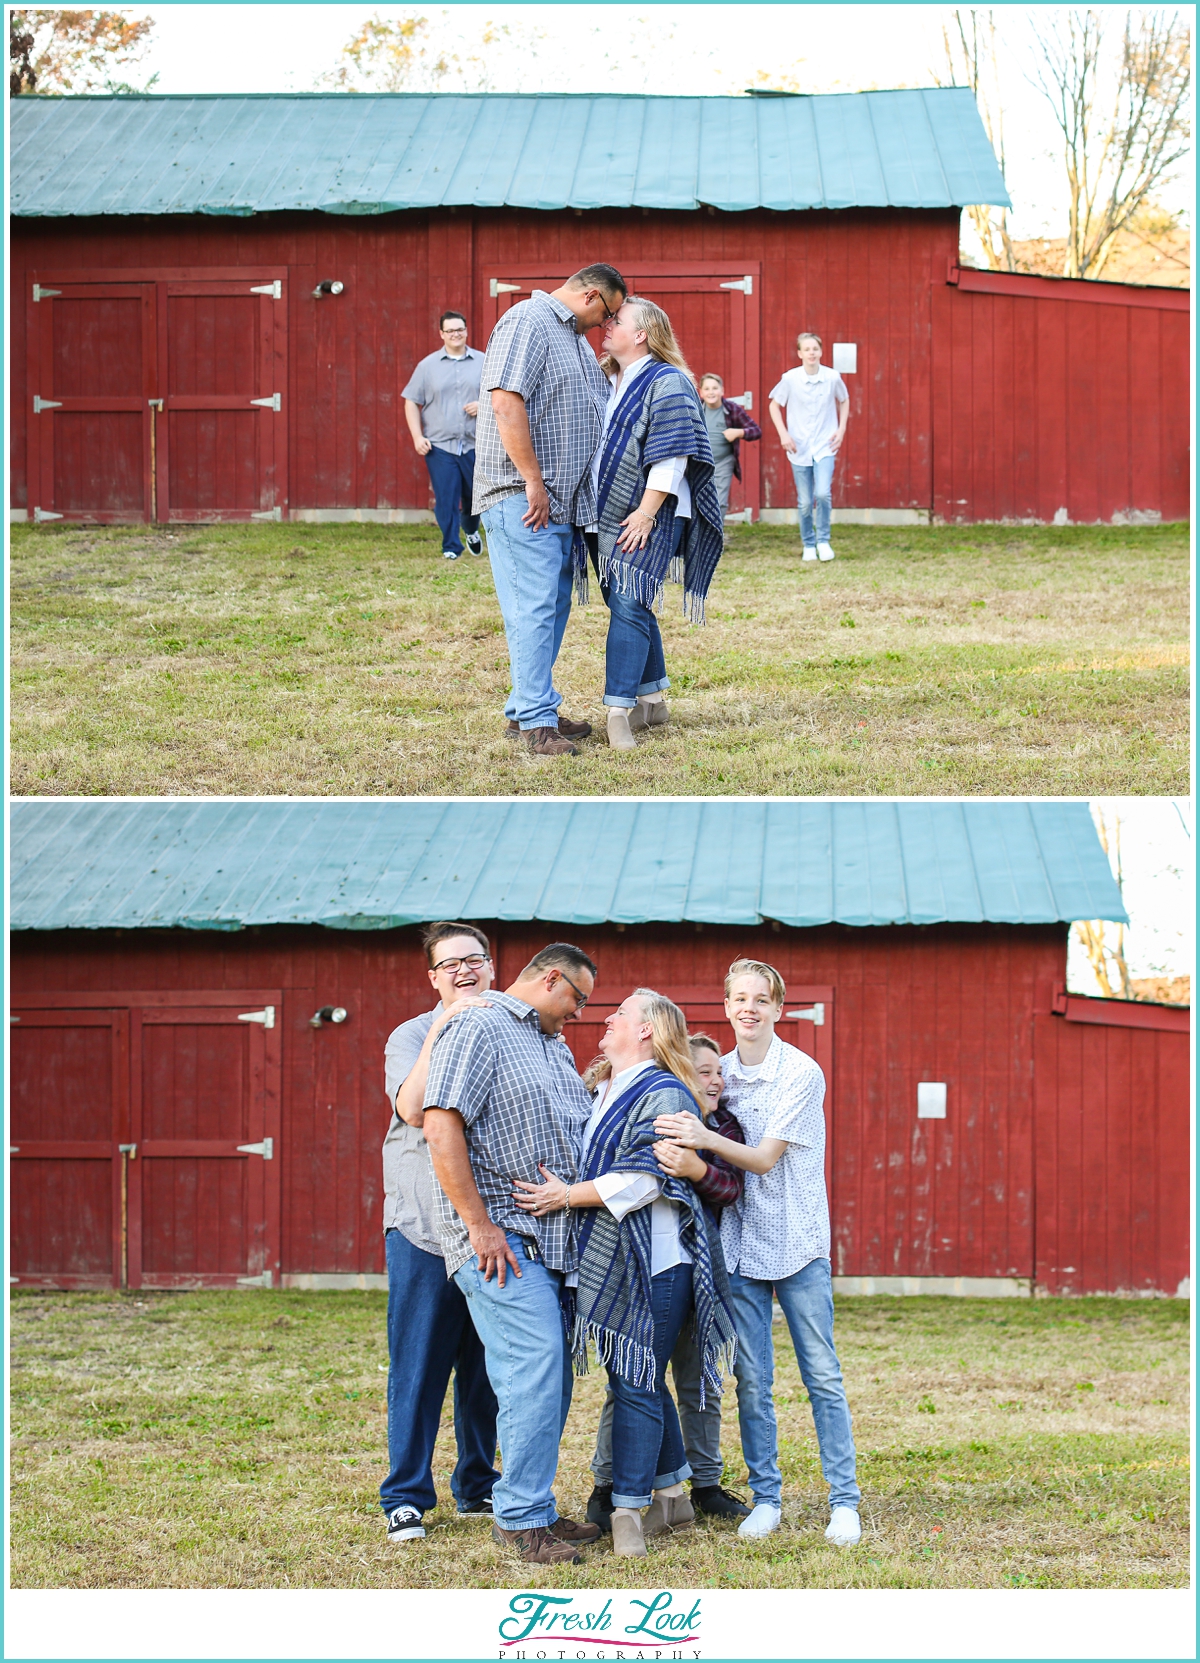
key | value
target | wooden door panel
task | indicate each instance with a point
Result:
(69, 1112)
(99, 465)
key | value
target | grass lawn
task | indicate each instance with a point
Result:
(237, 1440)
(339, 660)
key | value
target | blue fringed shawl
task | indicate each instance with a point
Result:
(657, 417)
(613, 1307)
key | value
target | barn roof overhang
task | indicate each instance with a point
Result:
(379, 865)
(343, 153)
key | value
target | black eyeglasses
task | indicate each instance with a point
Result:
(581, 999)
(608, 313)
(475, 962)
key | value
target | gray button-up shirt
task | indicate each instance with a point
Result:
(535, 351)
(522, 1102)
(409, 1187)
(441, 385)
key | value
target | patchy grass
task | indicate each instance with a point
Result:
(339, 660)
(221, 1440)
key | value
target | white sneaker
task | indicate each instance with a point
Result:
(809, 553)
(824, 551)
(404, 1525)
(845, 1528)
(762, 1521)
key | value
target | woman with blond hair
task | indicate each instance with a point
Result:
(647, 1263)
(657, 510)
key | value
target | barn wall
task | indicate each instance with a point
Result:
(910, 1198)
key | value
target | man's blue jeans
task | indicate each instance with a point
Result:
(529, 1366)
(806, 1300)
(647, 1445)
(633, 653)
(814, 486)
(453, 479)
(532, 574)
(429, 1333)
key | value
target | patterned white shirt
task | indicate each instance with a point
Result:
(781, 1222)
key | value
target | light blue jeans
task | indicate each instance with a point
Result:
(806, 1300)
(814, 486)
(532, 574)
(525, 1350)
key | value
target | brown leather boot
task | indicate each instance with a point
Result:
(536, 1546)
(567, 1530)
(548, 742)
(568, 728)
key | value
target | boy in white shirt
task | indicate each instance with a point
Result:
(818, 409)
(776, 1241)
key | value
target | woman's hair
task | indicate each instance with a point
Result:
(755, 967)
(672, 1052)
(660, 337)
(704, 1042)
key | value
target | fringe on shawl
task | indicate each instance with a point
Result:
(648, 590)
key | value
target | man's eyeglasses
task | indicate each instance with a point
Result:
(581, 999)
(608, 313)
(475, 962)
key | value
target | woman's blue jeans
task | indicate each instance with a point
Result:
(647, 1444)
(806, 1300)
(814, 494)
(633, 657)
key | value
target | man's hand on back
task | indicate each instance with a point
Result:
(492, 1251)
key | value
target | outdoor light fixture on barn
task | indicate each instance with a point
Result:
(922, 944)
(983, 395)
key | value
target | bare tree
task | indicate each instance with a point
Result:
(1108, 960)
(75, 51)
(969, 42)
(1123, 119)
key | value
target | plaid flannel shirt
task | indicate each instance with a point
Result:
(722, 1183)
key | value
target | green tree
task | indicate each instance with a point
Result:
(75, 51)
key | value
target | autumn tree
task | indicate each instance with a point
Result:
(1122, 118)
(969, 43)
(1107, 956)
(78, 52)
(423, 54)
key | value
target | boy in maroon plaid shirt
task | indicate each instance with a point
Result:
(717, 1184)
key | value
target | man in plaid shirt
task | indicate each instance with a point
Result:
(541, 402)
(503, 1101)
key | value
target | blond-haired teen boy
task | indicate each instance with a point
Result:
(776, 1241)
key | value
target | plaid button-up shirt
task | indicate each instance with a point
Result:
(536, 352)
(522, 1102)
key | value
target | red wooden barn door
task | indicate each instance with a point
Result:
(93, 372)
(69, 1080)
(222, 452)
(807, 1023)
(714, 312)
(204, 1211)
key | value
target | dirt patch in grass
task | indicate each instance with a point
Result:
(237, 1440)
(338, 660)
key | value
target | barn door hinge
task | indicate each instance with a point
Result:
(267, 514)
(275, 289)
(266, 1149)
(747, 401)
(271, 403)
(745, 284)
(41, 514)
(266, 1280)
(40, 404)
(266, 1016)
(44, 294)
(129, 1149)
(815, 1015)
(495, 288)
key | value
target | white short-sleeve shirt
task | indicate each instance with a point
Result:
(810, 402)
(781, 1222)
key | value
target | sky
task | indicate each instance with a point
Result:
(655, 47)
(1158, 861)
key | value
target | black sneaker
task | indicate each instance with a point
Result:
(474, 542)
(599, 1507)
(483, 1505)
(404, 1525)
(718, 1503)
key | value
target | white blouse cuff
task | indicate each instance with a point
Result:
(625, 1192)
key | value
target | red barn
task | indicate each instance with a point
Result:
(182, 1117)
(175, 359)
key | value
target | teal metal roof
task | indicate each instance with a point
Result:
(372, 866)
(371, 154)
